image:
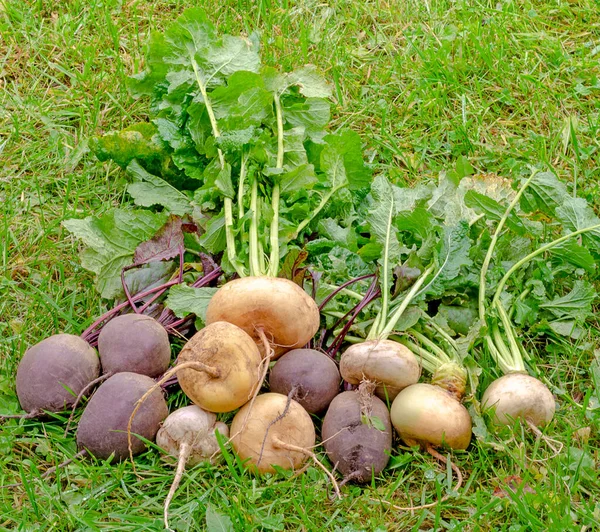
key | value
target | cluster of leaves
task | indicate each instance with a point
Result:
(239, 148)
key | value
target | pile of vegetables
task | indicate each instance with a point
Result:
(301, 296)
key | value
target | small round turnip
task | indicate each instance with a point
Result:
(518, 395)
(103, 425)
(426, 415)
(53, 372)
(189, 434)
(357, 435)
(314, 375)
(135, 343)
(276, 307)
(231, 362)
(276, 431)
(390, 365)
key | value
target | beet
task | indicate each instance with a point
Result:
(315, 375)
(53, 372)
(103, 425)
(136, 343)
(352, 435)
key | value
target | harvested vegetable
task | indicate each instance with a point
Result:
(134, 343)
(357, 435)
(188, 434)
(270, 307)
(103, 425)
(313, 376)
(227, 367)
(276, 431)
(53, 372)
(390, 365)
(432, 414)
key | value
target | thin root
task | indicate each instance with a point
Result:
(81, 395)
(263, 375)
(284, 445)
(199, 366)
(441, 458)
(547, 440)
(184, 452)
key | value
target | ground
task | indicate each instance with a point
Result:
(430, 86)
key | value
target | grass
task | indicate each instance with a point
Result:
(429, 85)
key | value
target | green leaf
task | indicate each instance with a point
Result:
(342, 160)
(111, 241)
(310, 82)
(453, 255)
(494, 210)
(214, 240)
(301, 177)
(570, 251)
(547, 192)
(418, 221)
(575, 214)
(138, 141)
(216, 521)
(313, 114)
(223, 181)
(576, 305)
(184, 300)
(148, 190)
(380, 218)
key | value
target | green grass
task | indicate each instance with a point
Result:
(427, 84)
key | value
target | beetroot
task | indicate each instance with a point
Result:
(53, 372)
(103, 425)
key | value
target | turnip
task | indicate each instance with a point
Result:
(135, 343)
(219, 367)
(313, 375)
(103, 427)
(189, 435)
(357, 435)
(54, 372)
(516, 395)
(388, 364)
(273, 432)
(267, 307)
(432, 414)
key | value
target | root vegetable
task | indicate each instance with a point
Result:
(232, 361)
(53, 372)
(103, 425)
(391, 365)
(425, 414)
(518, 395)
(288, 316)
(353, 437)
(189, 434)
(135, 343)
(314, 375)
(263, 434)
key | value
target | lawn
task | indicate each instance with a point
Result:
(430, 86)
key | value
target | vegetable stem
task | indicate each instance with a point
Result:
(537, 252)
(490, 251)
(512, 341)
(240, 195)
(319, 208)
(253, 244)
(229, 237)
(387, 330)
(274, 258)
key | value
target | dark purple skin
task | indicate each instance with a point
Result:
(103, 426)
(53, 372)
(316, 376)
(136, 343)
(356, 449)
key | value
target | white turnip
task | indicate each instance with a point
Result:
(189, 435)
